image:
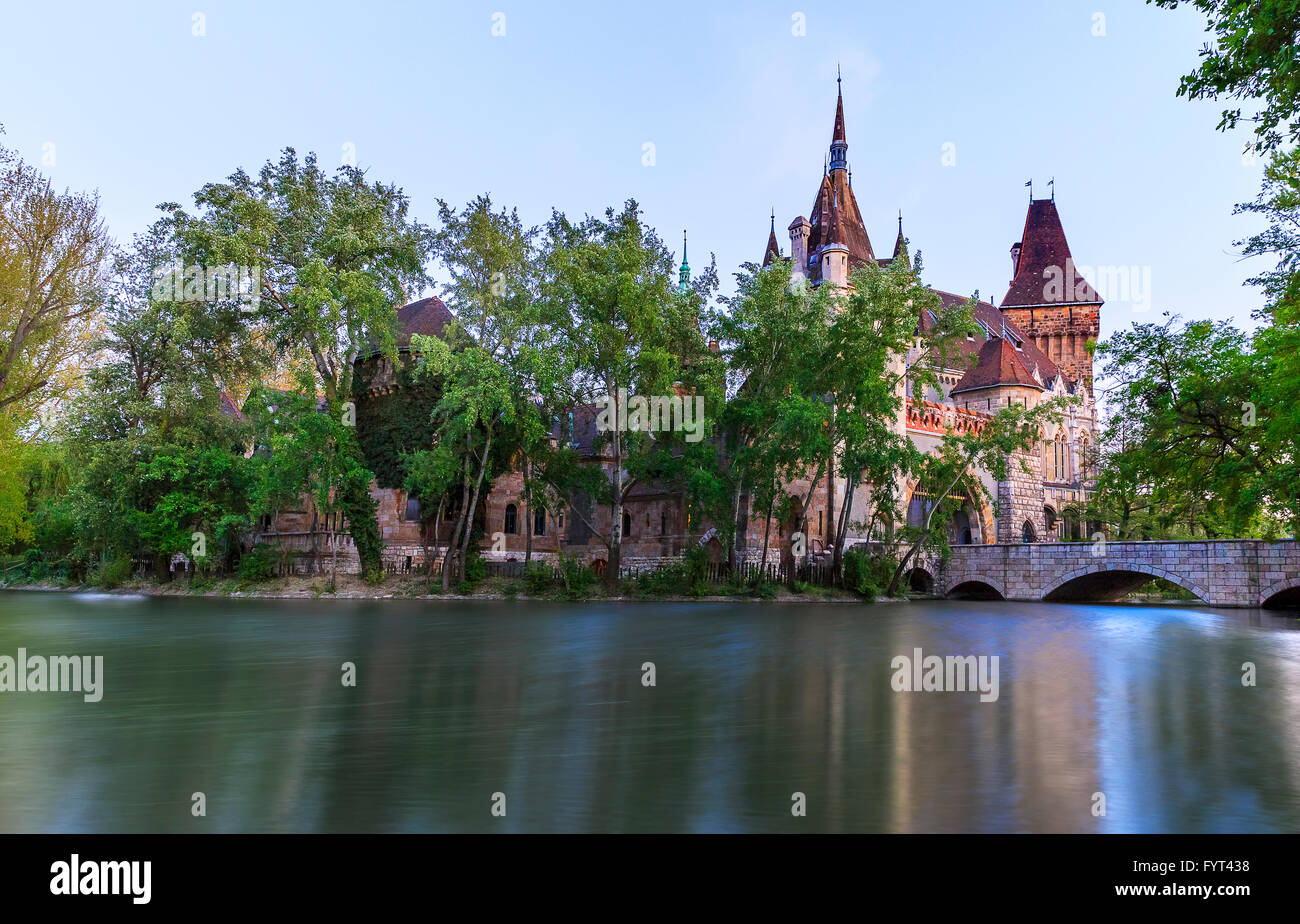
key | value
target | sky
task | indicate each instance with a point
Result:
(950, 107)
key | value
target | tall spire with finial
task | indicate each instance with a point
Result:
(900, 243)
(839, 159)
(684, 277)
(773, 249)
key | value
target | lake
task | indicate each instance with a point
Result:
(542, 710)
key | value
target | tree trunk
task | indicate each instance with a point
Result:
(528, 512)
(925, 534)
(469, 523)
(616, 507)
(733, 554)
(455, 532)
(767, 531)
(842, 529)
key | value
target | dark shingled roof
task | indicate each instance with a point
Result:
(835, 219)
(999, 363)
(427, 316)
(991, 323)
(773, 251)
(1043, 249)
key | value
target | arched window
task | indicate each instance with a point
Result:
(1049, 519)
(961, 528)
(539, 523)
(917, 508)
(512, 519)
(627, 523)
(1027, 532)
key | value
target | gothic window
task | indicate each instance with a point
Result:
(1027, 532)
(917, 508)
(539, 523)
(962, 534)
(627, 523)
(512, 519)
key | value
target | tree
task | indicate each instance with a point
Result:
(608, 284)
(879, 320)
(1188, 398)
(158, 455)
(53, 258)
(1255, 57)
(332, 257)
(489, 357)
(774, 337)
(994, 447)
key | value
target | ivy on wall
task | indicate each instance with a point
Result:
(398, 422)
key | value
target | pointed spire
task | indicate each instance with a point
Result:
(684, 277)
(773, 249)
(900, 243)
(839, 143)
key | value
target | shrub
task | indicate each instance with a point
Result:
(537, 578)
(576, 576)
(475, 569)
(112, 572)
(259, 564)
(867, 574)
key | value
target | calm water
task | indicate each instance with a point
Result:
(243, 701)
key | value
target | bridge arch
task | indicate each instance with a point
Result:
(977, 585)
(1285, 592)
(920, 579)
(1115, 579)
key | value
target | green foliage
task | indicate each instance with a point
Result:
(1254, 58)
(112, 573)
(1187, 452)
(392, 425)
(867, 573)
(475, 569)
(259, 564)
(538, 578)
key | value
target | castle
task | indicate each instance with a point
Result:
(1033, 346)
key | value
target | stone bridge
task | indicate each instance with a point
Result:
(1232, 572)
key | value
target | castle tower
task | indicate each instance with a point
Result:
(837, 238)
(1047, 299)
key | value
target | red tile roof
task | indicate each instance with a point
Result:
(835, 219)
(991, 322)
(999, 363)
(1044, 255)
(427, 316)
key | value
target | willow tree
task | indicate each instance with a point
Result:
(333, 257)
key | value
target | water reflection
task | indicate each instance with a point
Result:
(242, 700)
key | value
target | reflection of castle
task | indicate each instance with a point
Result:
(1035, 345)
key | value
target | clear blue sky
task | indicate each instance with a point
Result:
(555, 114)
